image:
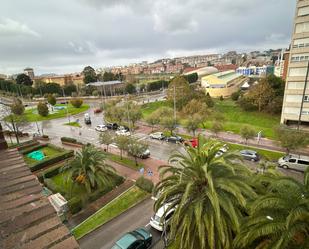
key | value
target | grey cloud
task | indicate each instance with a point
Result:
(9, 27)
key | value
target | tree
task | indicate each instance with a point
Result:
(278, 219)
(52, 88)
(291, 139)
(130, 88)
(153, 119)
(17, 107)
(89, 75)
(106, 138)
(193, 123)
(24, 79)
(247, 133)
(195, 106)
(133, 113)
(51, 99)
(235, 96)
(122, 144)
(168, 123)
(76, 102)
(180, 89)
(208, 100)
(69, 89)
(109, 76)
(115, 114)
(136, 148)
(208, 193)
(216, 127)
(192, 78)
(89, 170)
(42, 109)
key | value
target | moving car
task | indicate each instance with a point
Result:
(174, 139)
(192, 142)
(250, 155)
(140, 238)
(87, 118)
(97, 110)
(222, 150)
(300, 163)
(101, 128)
(157, 135)
(112, 126)
(157, 221)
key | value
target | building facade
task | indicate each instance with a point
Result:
(296, 97)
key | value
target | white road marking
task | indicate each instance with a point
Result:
(147, 225)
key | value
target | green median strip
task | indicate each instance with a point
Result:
(74, 124)
(114, 208)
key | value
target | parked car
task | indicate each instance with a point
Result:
(174, 139)
(300, 163)
(101, 128)
(250, 155)
(144, 155)
(124, 128)
(157, 221)
(192, 142)
(97, 110)
(222, 150)
(140, 238)
(122, 133)
(112, 126)
(87, 118)
(157, 135)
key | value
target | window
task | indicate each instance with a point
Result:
(301, 43)
(305, 111)
(306, 98)
(291, 110)
(303, 162)
(294, 98)
(298, 72)
(302, 27)
(300, 57)
(303, 11)
(292, 160)
(292, 85)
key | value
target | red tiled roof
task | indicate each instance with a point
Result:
(27, 219)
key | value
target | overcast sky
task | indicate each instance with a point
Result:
(62, 36)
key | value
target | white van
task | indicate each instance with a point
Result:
(157, 221)
(296, 162)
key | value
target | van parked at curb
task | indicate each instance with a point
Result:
(157, 221)
(296, 162)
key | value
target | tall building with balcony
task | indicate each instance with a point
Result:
(296, 97)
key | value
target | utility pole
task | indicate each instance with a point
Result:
(67, 111)
(174, 105)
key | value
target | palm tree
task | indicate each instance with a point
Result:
(279, 219)
(89, 170)
(209, 194)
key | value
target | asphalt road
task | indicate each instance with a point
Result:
(105, 236)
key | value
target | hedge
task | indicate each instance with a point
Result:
(75, 205)
(52, 160)
(25, 144)
(70, 140)
(33, 148)
(49, 183)
(144, 184)
(50, 172)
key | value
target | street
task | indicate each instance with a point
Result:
(105, 236)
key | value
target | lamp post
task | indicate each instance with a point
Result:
(67, 111)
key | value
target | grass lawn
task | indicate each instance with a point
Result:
(117, 206)
(48, 152)
(149, 108)
(74, 124)
(235, 118)
(31, 116)
(124, 161)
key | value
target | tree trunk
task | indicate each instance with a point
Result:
(121, 154)
(135, 158)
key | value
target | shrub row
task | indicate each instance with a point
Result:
(52, 160)
(32, 148)
(50, 172)
(70, 140)
(24, 145)
(144, 184)
(75, 205)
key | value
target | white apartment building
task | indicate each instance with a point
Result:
(296, 96)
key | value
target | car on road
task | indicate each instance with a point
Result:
(87, 118)
(140, 238)
(222, 150)
(101, 128)
(250, 155)
(157, 135)
(158, 220)
(97, 110)
(112, 126)
(192, 142)
(123, 133)
(174, 139)
(300, 163)
(125, 128)
(144, 155)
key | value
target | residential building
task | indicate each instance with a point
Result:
(296, 97)
(3, 76)
(29, 71)
(62, 80)
(223, 83)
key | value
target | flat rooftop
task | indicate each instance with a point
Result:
(27, 219)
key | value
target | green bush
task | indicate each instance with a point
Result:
(52, 160)
(71, 140)
(221, 98)
(77, 102)
(49, 183)
(208, 100)
(26, 144)
(51, 99)
(32, 148)
(42, 109)
(235, 95)
(145, 184)
(75, 205)
(50, 172)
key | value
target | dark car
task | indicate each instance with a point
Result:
(140, 238)
(174, 139)
(250, 155)
(112, 126)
